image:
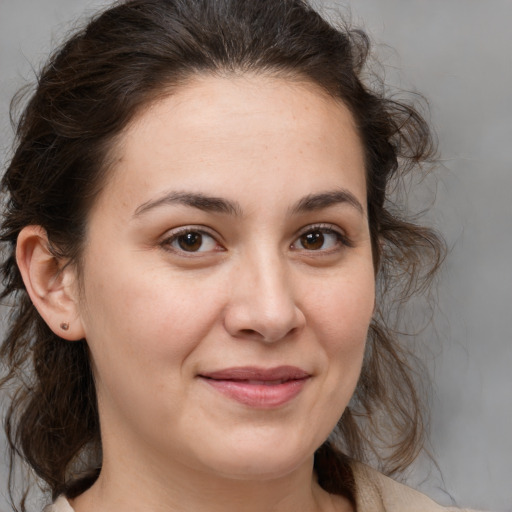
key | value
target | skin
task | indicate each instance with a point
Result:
(256, 291)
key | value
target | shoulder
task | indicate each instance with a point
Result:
(376, 492)
(60, 505)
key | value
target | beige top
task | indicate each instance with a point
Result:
(378, 493)
(374, 493)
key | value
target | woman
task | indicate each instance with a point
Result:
(202, 257)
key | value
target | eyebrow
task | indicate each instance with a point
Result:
(195, 200)
(314, 202)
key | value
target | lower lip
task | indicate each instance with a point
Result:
(261, 396)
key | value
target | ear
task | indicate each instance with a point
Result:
(50, 283)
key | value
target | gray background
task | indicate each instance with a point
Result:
(459, 54)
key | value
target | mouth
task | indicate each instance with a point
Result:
(262, 388)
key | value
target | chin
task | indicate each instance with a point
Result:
(264, 461)
(262, 470)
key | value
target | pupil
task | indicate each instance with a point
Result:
(190, 242)
(312, 240)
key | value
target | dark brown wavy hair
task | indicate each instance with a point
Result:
(124, 59)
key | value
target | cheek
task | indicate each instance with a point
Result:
(152, 319)
(143, 335)
(343, 312)
(342, 315)
(145, 323)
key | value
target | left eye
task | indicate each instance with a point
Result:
(318, 239)
(192, 241)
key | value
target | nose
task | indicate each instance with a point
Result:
(262, 303)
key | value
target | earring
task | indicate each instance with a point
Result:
(64, 326)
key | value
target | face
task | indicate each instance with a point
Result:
(227, 283)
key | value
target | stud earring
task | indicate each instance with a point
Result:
(64, 326)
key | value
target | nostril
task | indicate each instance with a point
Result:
(250, 332)
(256, 335)
(260, 321)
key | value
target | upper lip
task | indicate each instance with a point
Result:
(242, 373)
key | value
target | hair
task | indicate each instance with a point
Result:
(126, 58)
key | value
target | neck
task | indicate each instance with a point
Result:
(141, 489)
(141, 476)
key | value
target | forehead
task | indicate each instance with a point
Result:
(248, 129)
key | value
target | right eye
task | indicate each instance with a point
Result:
(191, 240)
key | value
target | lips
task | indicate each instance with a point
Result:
(258, 387)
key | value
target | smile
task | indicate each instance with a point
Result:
(257, 387)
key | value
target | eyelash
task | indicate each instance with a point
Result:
(168, 241)
(323, 229)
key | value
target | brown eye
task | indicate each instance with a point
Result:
(190, 242)
(320, 239)
(312, 241)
